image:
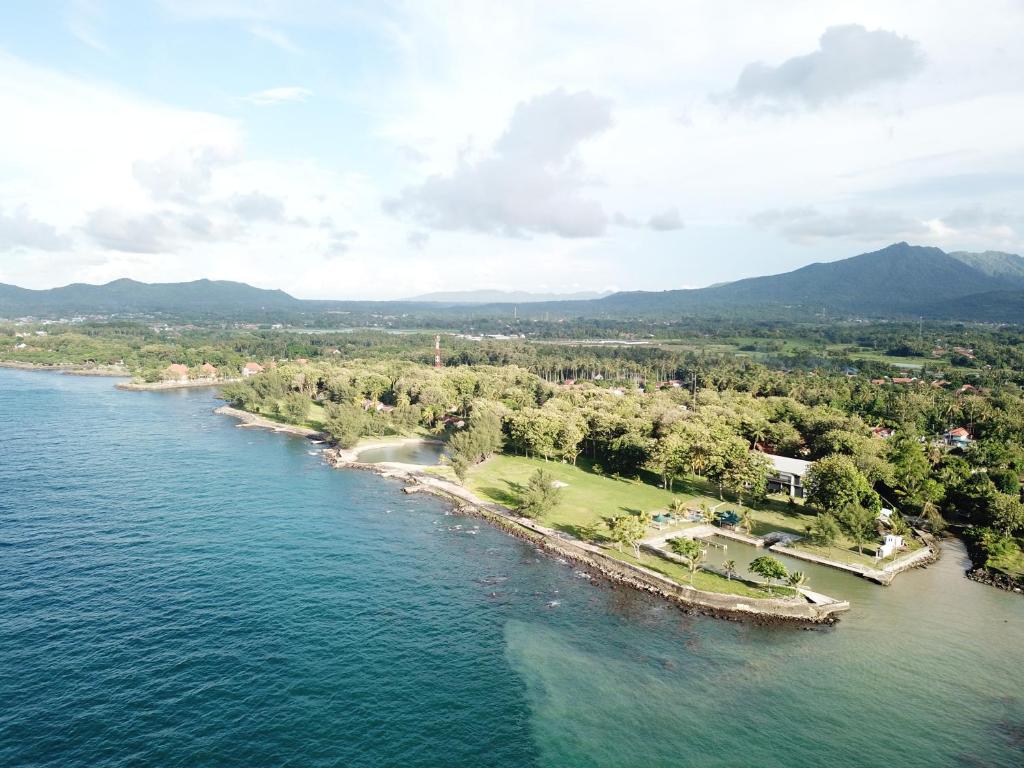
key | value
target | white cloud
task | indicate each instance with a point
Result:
(531, 182)
(273, 96)
(808, 225)
(20, 230)
(275, 37)
(849, 59)
(666, 221)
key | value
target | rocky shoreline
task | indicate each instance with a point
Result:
(598, 565)
(997, 580)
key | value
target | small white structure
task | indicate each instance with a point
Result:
(885, 515)
(891, 544)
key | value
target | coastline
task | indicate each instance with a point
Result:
(262, 422)
(819, 610)
(724, 606)
(351, 455)
(158, 386)
(69, 369)
(810, 611)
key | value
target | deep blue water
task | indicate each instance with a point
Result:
(177, 591)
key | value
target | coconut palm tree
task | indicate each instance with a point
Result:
(729, 566)
(797, 579)
(746, 522)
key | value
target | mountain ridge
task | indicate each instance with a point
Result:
(900, 280)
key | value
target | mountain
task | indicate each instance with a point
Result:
(129, 296)
(895, 282)
(993, 263)
(495, 296)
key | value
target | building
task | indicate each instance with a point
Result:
(891, 544)
(883, 433)
(957, 438)
(787, 475)
(176, 371)
(251, 369)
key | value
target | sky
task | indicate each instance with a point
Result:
(376, 150)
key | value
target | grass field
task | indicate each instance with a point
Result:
(1011, 564)
(587, 499)
(704, 580)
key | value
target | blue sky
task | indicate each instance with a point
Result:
(385, 149)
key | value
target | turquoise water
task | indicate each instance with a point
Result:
(177, 591)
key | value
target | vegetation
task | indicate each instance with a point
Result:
(769, 568)
(668, 424)
(541, 495)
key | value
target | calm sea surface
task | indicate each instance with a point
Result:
(175, 591)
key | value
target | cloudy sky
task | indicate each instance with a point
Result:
(380, 150)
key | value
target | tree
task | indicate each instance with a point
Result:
(295, 407)
(834, 484)
(344, 424)
(1007, 514)
(729, 566)
(824, 530)
(629, 530)
(860, 523)
(769, 568)
(541, 495)
(797, 579)
(691, 550)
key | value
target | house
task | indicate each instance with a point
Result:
(957, 438)
(787, 475)
(209, 371)
(251, 369)
(903, 380)
(891, 544)
(176, 371)
(883, 433)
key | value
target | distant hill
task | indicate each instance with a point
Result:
(993, 263)
(898, 281)
(129, 296)
(495, 296)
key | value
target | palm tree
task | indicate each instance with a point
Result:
(746, 523)
(677, 506)
(730, 569)
(797, 579)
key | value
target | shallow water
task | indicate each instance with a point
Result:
(409, 453)
(177, 591)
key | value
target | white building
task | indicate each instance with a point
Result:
(787, 475)
(891, 544)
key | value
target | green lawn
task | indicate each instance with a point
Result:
(1011, 564)
(586, 500)
(703, 580)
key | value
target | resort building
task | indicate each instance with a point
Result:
(251, 369)
(787, 475)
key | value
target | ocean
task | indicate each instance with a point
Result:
(177, 591)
